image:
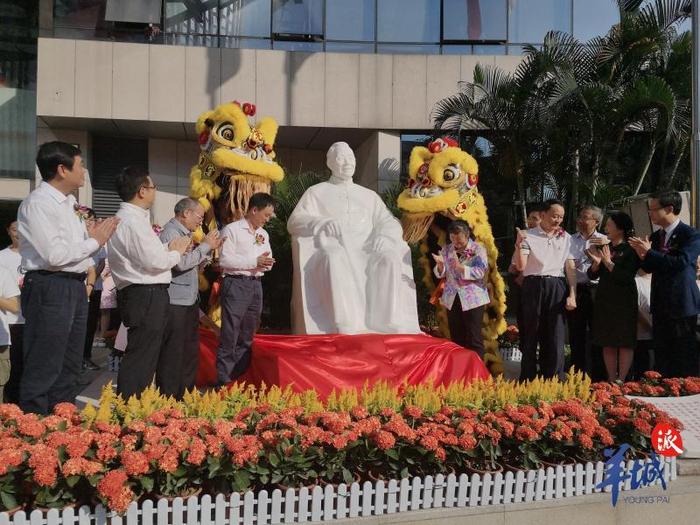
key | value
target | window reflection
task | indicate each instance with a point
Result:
(298, 17)
(408, 20)
(408, 49)
(245, 18)
(530, 20)
(474, 20)
(349, 47)
(191, 18)
(309, 47)
(594, 18)
(80, 14)
(350, 20)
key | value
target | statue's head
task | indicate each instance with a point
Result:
(442, 179)
(340, 159)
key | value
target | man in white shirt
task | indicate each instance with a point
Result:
(583, 357)
(56, 249)
(140, 266)
(9, 308)
(12, 260)
(544, 257)
(245, 256)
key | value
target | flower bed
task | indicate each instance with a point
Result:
(653, 385)
(247, 439)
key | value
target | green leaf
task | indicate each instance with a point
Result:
(392, 453)
(8, 500)
(72, 480)
(241, 480)
(146, 483)
(274, 460)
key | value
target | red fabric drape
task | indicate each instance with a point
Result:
(327, 362)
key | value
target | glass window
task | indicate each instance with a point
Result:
(245, 43)
(349, 47)
(530, 20)
(285, 45)
(84, 14)
(408, 21)
(474, 20)
(408, 49)
(594, 18)
(456, 50)
(18, 70)
(191, 18)
(297, 17)
(350, 19)
(245, 18)
(489, 50)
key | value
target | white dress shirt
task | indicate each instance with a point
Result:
(12, 260)
(135, 253)
(242, 248)
(579, 244)
(51, 235)
(547, 255)
(669, 231)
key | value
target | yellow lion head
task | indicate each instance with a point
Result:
(442, 179)
(236, 160)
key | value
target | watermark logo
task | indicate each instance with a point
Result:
(642, 474)
(666, 440)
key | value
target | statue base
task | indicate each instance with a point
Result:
(337, 361)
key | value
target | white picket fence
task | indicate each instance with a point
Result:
(330, 503)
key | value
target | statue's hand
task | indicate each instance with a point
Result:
(332, 229)
(381, 244)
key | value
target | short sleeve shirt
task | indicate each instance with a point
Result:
(8, 289)
(547, 255)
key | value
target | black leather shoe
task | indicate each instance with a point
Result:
(89, 365)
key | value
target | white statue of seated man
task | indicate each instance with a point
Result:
(352, 269)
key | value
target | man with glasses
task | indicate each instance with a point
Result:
(583, 358)
(140, 264)
(670, 256)
(179, 356)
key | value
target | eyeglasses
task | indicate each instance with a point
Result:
(200, 217)
(153, 187)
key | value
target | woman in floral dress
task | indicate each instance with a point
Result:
(463, 264)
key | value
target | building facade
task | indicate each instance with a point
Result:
(126, 79)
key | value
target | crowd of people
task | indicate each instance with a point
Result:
(51, 290)
(630, 303)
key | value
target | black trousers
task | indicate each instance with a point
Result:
(144, 311)
(465, 327)
(55, 312)
(642, 358)
(675, 347)
(543, 301)
(241, 306)
(92, 320)
(179, 354)
(580, 322)
(16, 364)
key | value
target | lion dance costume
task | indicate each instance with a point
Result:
(443, 181)
(236, 160)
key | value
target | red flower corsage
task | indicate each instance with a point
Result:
(82, 211)
(259, 239)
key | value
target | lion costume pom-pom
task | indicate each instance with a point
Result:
(443, 180)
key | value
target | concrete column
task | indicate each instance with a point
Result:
(379, 161)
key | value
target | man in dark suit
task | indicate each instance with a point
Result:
(670, 256)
